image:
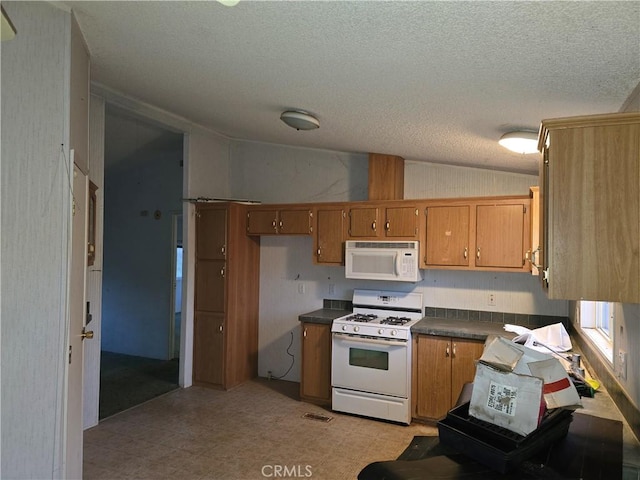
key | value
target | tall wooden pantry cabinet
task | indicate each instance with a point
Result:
(227, 273)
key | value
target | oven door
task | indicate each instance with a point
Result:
(370, 365)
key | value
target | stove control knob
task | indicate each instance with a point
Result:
(356, 329)
(394, 332)
(381, 331)
(344, 327)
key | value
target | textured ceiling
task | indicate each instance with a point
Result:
(429, 81)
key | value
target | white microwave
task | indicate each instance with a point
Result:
(381, 260)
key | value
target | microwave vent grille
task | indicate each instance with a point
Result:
(394, 245)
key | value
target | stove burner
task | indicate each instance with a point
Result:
(395, 320)
(360, 317)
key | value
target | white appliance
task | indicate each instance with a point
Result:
(371, 355)
(381, 260)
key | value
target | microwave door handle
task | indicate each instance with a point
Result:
(396, 263)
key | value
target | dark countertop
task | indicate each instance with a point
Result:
(460, 328)
(324, 315)
(428, 325)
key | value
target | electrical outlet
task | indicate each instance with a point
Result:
(491, 300)
(269, 375)
(301, 288)
(332, 289)
(622, 365)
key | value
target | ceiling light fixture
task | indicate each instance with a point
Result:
(300, 120)
(520, 142)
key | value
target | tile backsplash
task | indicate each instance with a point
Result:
(494, 317)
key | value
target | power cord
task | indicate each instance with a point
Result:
(293, 359)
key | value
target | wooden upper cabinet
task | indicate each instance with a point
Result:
(279, 221)
(386, 177)
(295, 222)
(211, 241)
(364, 222)
(262, 222)
(447, 235)
(590, 207)
(500, 236)
(401, 222)
(329, 236)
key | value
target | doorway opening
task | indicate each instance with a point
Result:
(142, 193)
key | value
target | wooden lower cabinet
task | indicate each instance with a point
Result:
(208, 344)
(315, 381)
(441, 366)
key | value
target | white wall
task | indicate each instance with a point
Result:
(35, 234)
(278, 174)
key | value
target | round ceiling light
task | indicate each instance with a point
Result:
(300, 120)
(520, 142)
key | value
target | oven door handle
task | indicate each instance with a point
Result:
(370, 341)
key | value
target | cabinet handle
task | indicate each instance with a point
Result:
(223, 250)
(221, 328)
(478, 253)
(274, 224)
(454, 350)
(373, 226)
(222, 272)
(387, 226)
(466, 253)
(304, 333)
(446, 352)
(280, 224)
(318, 252)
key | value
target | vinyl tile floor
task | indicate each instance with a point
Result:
(258, 430)
(254, 431)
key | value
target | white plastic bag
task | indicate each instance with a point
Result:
(550, 337)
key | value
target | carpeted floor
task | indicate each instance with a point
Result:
(127, 381)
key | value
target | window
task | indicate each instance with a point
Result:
(597, 321)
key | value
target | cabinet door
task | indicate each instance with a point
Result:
(330, 236)
(262, 222)
(464, 354)
(448, 236)
(211, 233)
(401, 222)
(500, 236)
(594, 211)
(208, 344)
(210, 285)
(363, 222)
(315, 382)
(433, 398)
(294, 222)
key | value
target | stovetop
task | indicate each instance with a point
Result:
(381, 314)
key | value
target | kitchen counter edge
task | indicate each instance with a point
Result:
(323, 316)
(446, 327)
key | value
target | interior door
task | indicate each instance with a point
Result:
(77, 290)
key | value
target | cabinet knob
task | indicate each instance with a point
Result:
(446, 352)
(478, 253)
(466, 253)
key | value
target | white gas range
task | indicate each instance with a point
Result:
(371, 355)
